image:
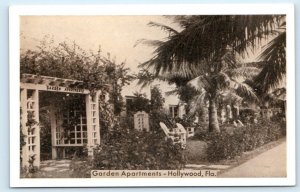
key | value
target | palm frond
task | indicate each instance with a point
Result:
(229, 97)
(245, 72)
(279, 94)
(244, 90)
(197, 103)
(172, 92)
(152, 43)
(275, 69)
(204, 38)
(163, 27)
(145, 78)
(200, 83)
(221, 81)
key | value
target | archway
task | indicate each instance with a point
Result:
(87, 132)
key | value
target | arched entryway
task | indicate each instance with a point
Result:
(83, 131)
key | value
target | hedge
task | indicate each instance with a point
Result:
(132, 150)
(229, 145)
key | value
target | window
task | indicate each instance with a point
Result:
(173, 110)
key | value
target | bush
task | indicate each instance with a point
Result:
(227, 145)
(133, 150)
(224, 146)
(200, 134)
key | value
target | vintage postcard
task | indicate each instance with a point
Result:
(152, 95)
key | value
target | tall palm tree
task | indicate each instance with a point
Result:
(201, 49)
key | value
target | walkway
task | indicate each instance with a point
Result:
(271, 163)
(55, 169)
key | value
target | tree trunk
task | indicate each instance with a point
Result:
(213, 125)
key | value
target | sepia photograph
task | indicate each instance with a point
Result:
(184, 96)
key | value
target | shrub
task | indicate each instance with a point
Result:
(224, 146)
(133, 150)
(227, 145)
(200, 134)
(138, 150)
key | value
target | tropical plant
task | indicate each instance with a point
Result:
(274, 54)
(206, 47)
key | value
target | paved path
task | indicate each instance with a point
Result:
(271, 163)
(55, 169)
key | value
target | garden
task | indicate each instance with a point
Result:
(232, 106)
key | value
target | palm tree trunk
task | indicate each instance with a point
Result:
(213, 125)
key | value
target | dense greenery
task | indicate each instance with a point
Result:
(68, 60)
(206, 47)
(140, 102)
(229, 144)
(132, 150)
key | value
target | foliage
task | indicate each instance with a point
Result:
(107, 117)
(154, 107)
(157, 100)
(274, 53)
(187, 93)
(205, 38)
(30, 124)
(22, 135)
(186, 121)
(139, 103)
(136, 150)
(228, 145)
(157, 113)
(132, 150)
(68, 60)
(207, 48)
(247, 115)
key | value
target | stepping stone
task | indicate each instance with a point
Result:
(218, 166)
(194, 166)
(49, 169)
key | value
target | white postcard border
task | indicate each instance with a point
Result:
(152, 9)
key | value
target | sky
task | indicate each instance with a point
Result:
(117, 35)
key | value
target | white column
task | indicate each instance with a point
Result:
(25, 153)
(37, 127)
(92, 118)
(96, 116)
(89, 125)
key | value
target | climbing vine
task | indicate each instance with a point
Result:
(70, 61)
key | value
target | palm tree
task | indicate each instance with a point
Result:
(205, 48)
